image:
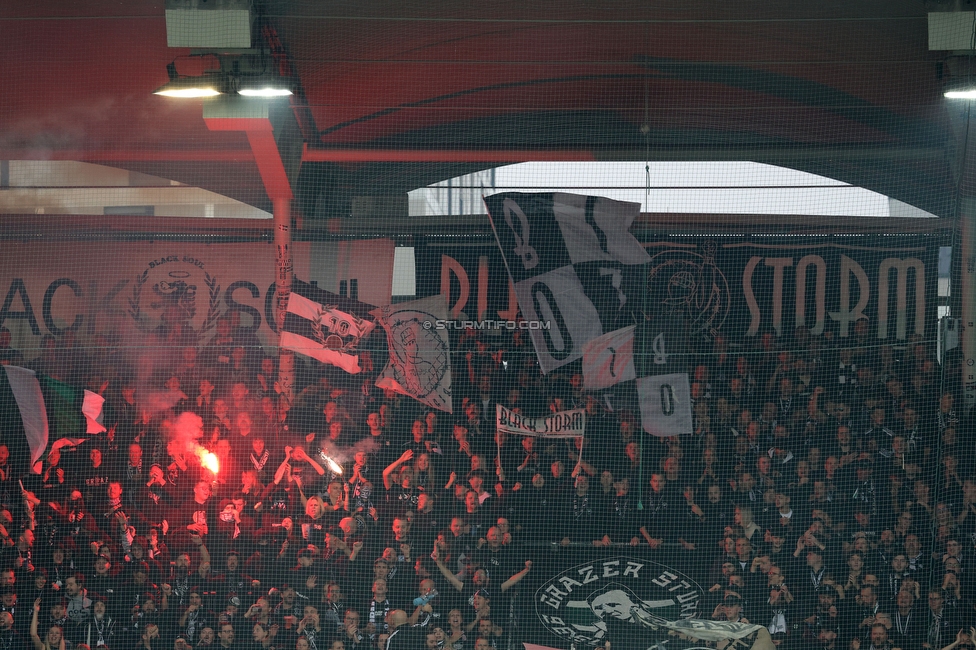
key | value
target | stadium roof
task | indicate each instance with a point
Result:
(398, 95)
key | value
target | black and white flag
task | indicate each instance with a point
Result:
(577, 268)
(420, 353)
(665, 404)
(654, 355)
(325, 326)
(574, 264)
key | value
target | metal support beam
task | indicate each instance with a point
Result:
(272, 138)
(284, 272)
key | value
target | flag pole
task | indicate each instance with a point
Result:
(284, 271)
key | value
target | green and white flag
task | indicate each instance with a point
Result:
(39, 414)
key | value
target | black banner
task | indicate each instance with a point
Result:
(743, 289)
(575, 595)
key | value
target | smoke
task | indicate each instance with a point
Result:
(343, 455)
(182, 435)
(156, 402)
(184, 431)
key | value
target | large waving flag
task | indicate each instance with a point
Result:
(420, 354)
(325, 326)
(38, 413)
(577, 268)
(574, 264)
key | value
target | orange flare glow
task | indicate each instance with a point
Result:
(210, 461)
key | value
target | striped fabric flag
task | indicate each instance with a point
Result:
(325, 326)
(38, 413)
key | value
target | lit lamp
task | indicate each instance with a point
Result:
(188, 88)
(964, 89)
(209, 85)
(263, 86)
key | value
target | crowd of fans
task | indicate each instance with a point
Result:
(826, 494)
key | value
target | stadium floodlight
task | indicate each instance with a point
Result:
(961, 93)
(960, 88)
(189, 88)
(264, 86)
(209, 85)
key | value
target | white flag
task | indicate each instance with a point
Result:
(568, 319)
(665, 404)
(609, 359)
(420, 355)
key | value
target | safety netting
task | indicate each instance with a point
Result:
(323, 372)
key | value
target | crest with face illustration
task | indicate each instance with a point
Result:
(577, 603)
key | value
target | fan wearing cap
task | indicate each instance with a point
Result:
(231, 614)
(863, 524)
(259, 612)
(289, 610)
(730, 609)
(233, 580)
(101, 629)
(865, 494)
(9, 604)
(305, 575)
(75, 518)
(131, 592)
(178, 581)
(194, 617)
(104, 580)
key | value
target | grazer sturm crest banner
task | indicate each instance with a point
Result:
(420, 354)
(564, 424)
(595, 602)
